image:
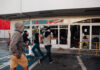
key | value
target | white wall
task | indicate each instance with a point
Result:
(4, 34)
(14, 6)
(38, 5)
(9, 6)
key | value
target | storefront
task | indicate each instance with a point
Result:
(59, 30)
(66, 35)
(85, 33)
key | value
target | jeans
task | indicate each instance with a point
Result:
(48, 48)
(37, 46)
(25, 50)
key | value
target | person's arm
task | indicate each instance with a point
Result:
(13, 44)
(40, 36)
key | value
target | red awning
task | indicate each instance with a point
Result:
(4, 24)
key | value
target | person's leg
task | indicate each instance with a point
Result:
(26, 68)
(33, 50)
(29, 42)
(23, 62)
(14, 62)
(39, 50)
(12, 68)
(48, 48)
(49, 53)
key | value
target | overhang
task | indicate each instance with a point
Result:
(54, 13)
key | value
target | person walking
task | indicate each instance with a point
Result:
(16, 48)
(48, 35)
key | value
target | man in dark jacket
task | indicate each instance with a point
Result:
(16, 48)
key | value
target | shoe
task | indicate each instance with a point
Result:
(52, 61)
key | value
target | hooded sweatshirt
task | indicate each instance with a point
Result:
(16, 44)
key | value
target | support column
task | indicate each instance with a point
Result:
(69, 37)
(80, 36)
(90, 37)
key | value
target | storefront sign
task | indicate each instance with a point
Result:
(53, 21)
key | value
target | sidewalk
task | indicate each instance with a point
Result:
(4, 63)
(73, 51)
(59, 55)
(5, 59)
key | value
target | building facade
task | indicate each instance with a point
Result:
(71, 21)
(67, 31)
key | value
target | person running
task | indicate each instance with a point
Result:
(48, 35)
(16, 48)
(37, 46)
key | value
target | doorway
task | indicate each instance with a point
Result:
(75, 36)
(95, 37)
(85, 35)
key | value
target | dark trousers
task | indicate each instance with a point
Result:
(48, 48)
(37, 46)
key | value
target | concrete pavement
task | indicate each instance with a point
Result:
(64, 59)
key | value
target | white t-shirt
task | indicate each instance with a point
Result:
(47, 40)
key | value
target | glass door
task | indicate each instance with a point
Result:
(63, 36)
(75, 36)
(60, 34)
(54, 30)
(95, 36)
(85, 37)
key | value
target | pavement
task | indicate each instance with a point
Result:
(91, 62)
(64, 59)
(60, 62)
(70, 62)
(5, 59)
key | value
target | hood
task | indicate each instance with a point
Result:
(19, 27)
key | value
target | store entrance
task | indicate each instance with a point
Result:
(75, 36)
(60, 34)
